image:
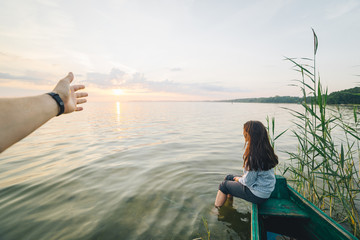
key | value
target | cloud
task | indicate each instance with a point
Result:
(7, 76)
(115, 77)
(25, 69)
(176, 69)
(136, 81)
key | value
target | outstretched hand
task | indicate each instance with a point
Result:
(69, 94)
(21, 116)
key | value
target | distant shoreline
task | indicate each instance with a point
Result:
(347, 96)
(276, 99)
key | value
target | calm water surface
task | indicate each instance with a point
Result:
(131, 171)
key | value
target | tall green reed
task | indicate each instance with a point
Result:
(207, 230)
(323, 169)
(270, 126)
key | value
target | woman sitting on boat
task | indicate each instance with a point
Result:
(258, 181)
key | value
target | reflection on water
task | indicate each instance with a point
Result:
(118, 111)
(130, 171)
(239, 222)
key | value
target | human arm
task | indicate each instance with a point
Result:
(248, 179)
(236, 179)
(21, 116)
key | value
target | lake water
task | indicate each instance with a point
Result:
(141, 170)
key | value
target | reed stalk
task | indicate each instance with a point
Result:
(207, 230)
(323, 169)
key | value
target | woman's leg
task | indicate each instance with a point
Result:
(238, 190)
(229, 201)
(220, 199)
(232, 188)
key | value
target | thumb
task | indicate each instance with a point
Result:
(69, 78)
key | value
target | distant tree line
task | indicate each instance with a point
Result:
(347, 96)
(276, 99)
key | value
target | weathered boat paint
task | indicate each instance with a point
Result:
(290, 214)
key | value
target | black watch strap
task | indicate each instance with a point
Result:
(59, 102)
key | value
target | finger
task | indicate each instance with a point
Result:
(69, 78)
(80, 101)
(78, 109)
(81, 94)
(77, 87)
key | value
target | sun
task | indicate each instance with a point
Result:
(118, 92)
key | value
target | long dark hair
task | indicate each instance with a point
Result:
(258, 155)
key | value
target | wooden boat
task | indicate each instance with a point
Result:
(288, 215)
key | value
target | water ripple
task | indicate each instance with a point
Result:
(128, 171)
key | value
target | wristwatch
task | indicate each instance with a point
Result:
(59, 102)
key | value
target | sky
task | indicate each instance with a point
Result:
(176, 50)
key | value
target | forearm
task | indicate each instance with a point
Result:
(249, 178)
(21, 116)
